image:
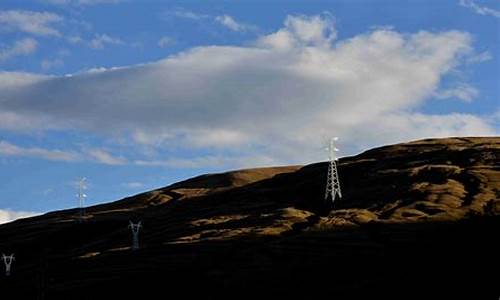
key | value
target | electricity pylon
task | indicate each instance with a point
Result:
(135, 234)
(332, 181)
(81, 197)
(7, 260)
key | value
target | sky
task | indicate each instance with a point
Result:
(135, 95)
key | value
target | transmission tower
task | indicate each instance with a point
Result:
(135, 234)
(332, 180)
(7, 260)
(81, 197)
(42, 281)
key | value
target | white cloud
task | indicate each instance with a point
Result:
(382, 27)
(8, 149)
(464, 92)
(224, 20)
(63, 52)
(48, 191)
(48, 64)
(99, 41)
(272, 102)
(97, 155)
(482, 10)
(94, 2)
(38, 23)
(105, 157)
(399, 127)
(20, 48)
(102, 156)
(7, 215)
(165, 41)
(184, 14)
(25, 123)
(74, 39)
(300, 31)
(57, 2)
(82, 2)
(133, 185)
(479, 58)
(18, 79)
(211, 161)
(232, 24)
(229, 22)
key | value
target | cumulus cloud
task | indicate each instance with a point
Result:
(37, 23)
(7, 215)
(100, 41)
(19, 48)
(318, 31)
(480, 9)
(270, 102)
(232, 24)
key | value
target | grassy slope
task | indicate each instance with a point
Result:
(415, 217)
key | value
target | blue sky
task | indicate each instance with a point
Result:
(135, 95)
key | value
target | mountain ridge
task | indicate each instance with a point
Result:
(231, 230)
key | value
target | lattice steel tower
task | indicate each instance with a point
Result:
(81, 197)
(7, 260)
(332, 180)
(135, 234)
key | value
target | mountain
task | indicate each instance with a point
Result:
(416, 219)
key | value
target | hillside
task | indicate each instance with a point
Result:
(415, 217)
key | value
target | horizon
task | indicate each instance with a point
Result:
(136, 96)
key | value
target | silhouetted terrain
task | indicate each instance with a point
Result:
(419, 219)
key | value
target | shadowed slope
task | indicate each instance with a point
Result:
(427, 203)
